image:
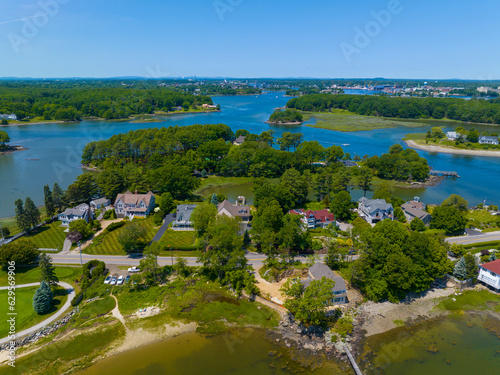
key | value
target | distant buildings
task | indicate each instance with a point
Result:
(339, 291)
(8, 117)
(375, 210)
(314, 219)
(489, 273)
(415, 208)
(488, 140)
(81, 211)
(183, 217)
(131, 205)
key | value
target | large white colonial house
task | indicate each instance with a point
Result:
(375, 210)
(339, 291)
(489, 273)
(131, 205)
(81, 211)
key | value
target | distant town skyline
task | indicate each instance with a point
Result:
(394, 39)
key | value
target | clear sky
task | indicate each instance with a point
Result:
(250, 38)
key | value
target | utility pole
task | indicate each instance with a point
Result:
(80, 248)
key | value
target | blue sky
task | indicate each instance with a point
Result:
(250, 38)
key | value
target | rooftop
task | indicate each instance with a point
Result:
(234, 209)
(375, 204)
(134, 199)
(492, 266)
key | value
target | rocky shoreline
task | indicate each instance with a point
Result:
(431, 181)
(11, 149)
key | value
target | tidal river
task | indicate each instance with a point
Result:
(55, 149)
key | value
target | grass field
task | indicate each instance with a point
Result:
(26, 316)
(27, 275)
(346, 121)
(178, 240)
(420, 139)
(110, 245)
(471, 300)
(10, 222)
(215, 181)
(50, 236)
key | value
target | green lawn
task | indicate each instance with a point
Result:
(26, 316)
(10, 222)
(215, 181)
(109, 244)
(346, 121)
(27, 275)
(49, 236)
(471, 300)
(178, 240)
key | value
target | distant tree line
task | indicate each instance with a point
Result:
(477, 111)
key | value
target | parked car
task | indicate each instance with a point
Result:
(108, 280)
(113, 280)
(134, 269)
(127, 279)
(120, 280)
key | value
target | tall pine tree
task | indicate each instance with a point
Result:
(49, 202)
(460, 270)
(57, 197)
(21, 218)
(31, 211)
(42, 300)
(47, 270)
(215, 200)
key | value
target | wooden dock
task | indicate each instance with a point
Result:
(444, 173)
(353, 361)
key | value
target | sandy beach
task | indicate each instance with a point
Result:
(447, 150)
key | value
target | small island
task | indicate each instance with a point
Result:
(5, 148)
(460, 142)
(286, 117)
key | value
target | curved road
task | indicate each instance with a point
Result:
(61, 311)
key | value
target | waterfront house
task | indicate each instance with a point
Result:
(238, 141)
(489, 273)
(81, 211)
(415, 208)
(134, 205)
(488, 140)
(183, 217)
(452, 136)
(99, 204)
(234, 210)
(8, 117)
(320, 270)
(314, 219)
(375, 210)
(349, 163)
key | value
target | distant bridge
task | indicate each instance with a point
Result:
(444, 173)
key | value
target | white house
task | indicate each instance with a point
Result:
(132, 205)
(489, 273)
(8, 117)
(375, 210)
(82, 211)
(452, 136)
(320, 270)
(488, 140)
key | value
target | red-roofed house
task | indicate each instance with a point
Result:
(314, 219)
(489, 273)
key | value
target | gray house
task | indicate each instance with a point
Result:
(320, 270)
(415, 208)
(81, 211)
(98, 204)
(183, 217)
(375, 210)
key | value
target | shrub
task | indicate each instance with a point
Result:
(42, 300)
(113, 226)
(110, 214)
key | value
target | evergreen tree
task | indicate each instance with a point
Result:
(493, 257)
(21, 219)
(417, 225)
(31, 211)
(460, 270)
(57, 197)
(49, 202)
(471, 265)
(399, 215)
(215, 200)
(47, 270)
(42, 299)
(204, 173)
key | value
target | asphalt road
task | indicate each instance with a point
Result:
(57, 315)
(466, 240)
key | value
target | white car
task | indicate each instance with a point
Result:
(120, 280)
(113, 280)
(108, 280)
(134, 269)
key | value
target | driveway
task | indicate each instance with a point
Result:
(484, 237)
(57, 315)
(166, 222)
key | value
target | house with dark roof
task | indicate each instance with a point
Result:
(320, 270)
(314, 219)
(375, 210)
(183, 217)
(488, 140)
(81, 211)
(234, 210)
(415, 208)
(489, 273)
(134, 205)
(238, 141)
(349, 163)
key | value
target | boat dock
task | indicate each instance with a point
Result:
(444, 173)
(353, 361)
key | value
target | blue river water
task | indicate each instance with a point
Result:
(55, 150)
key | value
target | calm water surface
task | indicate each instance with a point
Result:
(55, 150)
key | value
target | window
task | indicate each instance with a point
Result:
(339, 299)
